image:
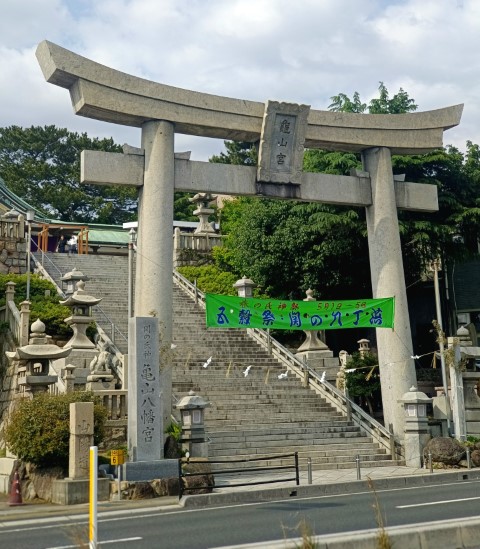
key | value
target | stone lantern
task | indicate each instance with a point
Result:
(315, 353)
(203, 212)
(34, 360)
(69, 281)
(81, 305)
(417, 433)
(363, 347)
(244, 287)
(83, 350)
(313, 340)
(192, 411)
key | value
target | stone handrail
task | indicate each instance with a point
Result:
(12, 228)
(198, 242)
(336, 398)
(115, 403)
(14, 320)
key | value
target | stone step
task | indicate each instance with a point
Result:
(313, 451)
(267, 430)
(331, 443)
(330, 422)
(312, 437)
(318, 462)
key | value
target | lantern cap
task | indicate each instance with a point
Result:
(413, 396)
(191, 402)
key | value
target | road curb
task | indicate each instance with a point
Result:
(318, 490)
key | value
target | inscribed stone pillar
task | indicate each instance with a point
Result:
(145, 425)
(397, 370)
(81, 438)
(154, 283)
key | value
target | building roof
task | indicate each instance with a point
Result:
(98, 234)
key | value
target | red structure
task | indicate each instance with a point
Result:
(15, 491)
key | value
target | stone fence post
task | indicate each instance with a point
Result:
(24, 322)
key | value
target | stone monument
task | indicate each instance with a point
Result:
(145, 420)
(283, 130)
(81, 438)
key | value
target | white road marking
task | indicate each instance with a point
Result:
(435, 503)
(100, 543)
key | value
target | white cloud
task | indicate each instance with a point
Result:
(304, 52)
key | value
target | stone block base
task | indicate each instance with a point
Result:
(150, 470)
(7, 466)
(328, 364)
(70, 492)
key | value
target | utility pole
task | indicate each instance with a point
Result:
(436, 266)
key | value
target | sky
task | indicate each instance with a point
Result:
(300, 51)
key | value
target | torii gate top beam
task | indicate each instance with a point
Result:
(106, 94)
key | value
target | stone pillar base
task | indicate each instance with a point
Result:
(70, 492)
(150, 470)
(321, 361)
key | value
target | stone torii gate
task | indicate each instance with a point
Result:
(282, 131)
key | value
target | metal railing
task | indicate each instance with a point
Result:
(39, 266)
(255, 472)
(332, 395)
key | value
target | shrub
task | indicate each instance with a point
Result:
(46, 308)
(38, 430)
(364, 381)
(211, 279)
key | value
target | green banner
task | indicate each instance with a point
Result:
(278, 314)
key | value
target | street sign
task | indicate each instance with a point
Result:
(117, 457)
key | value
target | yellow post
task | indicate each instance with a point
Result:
(92, 530)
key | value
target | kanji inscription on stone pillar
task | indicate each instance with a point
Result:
(282, 142)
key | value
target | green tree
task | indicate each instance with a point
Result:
(363, 380)
(342, 103)
(237, 152)
(183, 208)
(42, 166)
(287, 247)
(46, 308)
(400, 103)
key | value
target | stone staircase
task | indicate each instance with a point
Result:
(108, 279)
(249, 416)
(259, 414)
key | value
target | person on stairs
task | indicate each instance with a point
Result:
(61, 244)
(72, 245)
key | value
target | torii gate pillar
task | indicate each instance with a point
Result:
(153, 296)
(397, 369)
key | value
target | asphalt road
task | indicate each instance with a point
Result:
(215, 527)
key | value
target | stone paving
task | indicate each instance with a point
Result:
(337, 476)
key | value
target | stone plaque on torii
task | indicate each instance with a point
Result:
(106, 94)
